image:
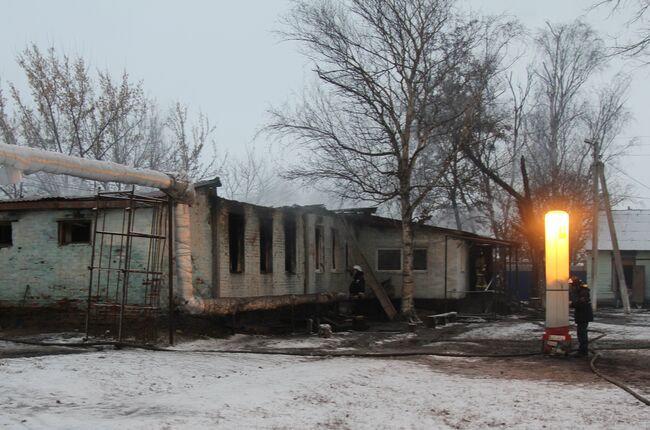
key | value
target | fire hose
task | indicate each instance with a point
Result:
(301, 353)
(621, 385)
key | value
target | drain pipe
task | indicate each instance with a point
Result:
(18, 160)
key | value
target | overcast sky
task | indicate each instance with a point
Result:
(222, 57)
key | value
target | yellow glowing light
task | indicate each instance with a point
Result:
(557, 268)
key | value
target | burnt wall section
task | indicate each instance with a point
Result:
(264, 252)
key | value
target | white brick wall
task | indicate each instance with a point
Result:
(429, 284)
(37, 270)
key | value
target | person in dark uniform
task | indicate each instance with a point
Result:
(574, 285)
(358, 284)
(580, 301)
(357, 288)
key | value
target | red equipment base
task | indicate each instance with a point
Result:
(556, 341)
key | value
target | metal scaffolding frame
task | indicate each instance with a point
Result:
(127, 269)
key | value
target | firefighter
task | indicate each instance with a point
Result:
(574, 285)
(357, 289)
(358, 284)
(580, 301)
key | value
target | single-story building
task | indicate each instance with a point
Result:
(633, 233)
(113, 249)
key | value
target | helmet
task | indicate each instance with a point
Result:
(357, 268)
(575, 281)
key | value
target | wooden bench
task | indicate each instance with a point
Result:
(433, 321)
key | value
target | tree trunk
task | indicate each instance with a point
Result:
(408, 284)
(538, 275)
(454, 205)
(535, 239)
(534, 232)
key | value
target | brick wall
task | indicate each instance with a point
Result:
(429, 284)
(252, 282)
(37, 270)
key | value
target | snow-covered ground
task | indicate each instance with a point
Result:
(504, 330)
(613, 323)
(151, 390)
(187, 389)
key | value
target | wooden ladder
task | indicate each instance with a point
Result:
(371, 279)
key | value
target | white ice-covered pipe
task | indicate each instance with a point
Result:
(29, 160)
(183, 241)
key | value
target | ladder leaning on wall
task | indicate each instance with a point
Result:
(371, 279)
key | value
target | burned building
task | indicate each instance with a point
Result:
(243, 257)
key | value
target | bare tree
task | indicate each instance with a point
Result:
(8, 135)
(252, 178)
(606, 118)
(188, 143)
(381, 67)
(557, 172)
(570, 55)
(481, 125)
(638, 21)
(504, 156)
(70, 111)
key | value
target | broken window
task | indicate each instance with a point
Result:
(290, 246)
(320, 249)
(335, 245)
(420, 259)
(74, 231)
(266, 245)
(6, 237)
(389, 259)
(236, 242)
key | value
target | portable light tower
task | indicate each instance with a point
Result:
(556, 335)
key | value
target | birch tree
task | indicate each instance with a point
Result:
(376, 108)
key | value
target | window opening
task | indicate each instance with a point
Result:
(236, 242)
(266, 245)
(389, 259)
(320, 248)
(74, 231)
(335, 246)
(6, 236)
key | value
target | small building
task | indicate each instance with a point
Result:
(634, 243)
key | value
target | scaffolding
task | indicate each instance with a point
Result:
(129, 256)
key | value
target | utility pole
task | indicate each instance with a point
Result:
(618, 262)
(594, 224)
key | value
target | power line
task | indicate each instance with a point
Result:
(635, 197)
(630, 177)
